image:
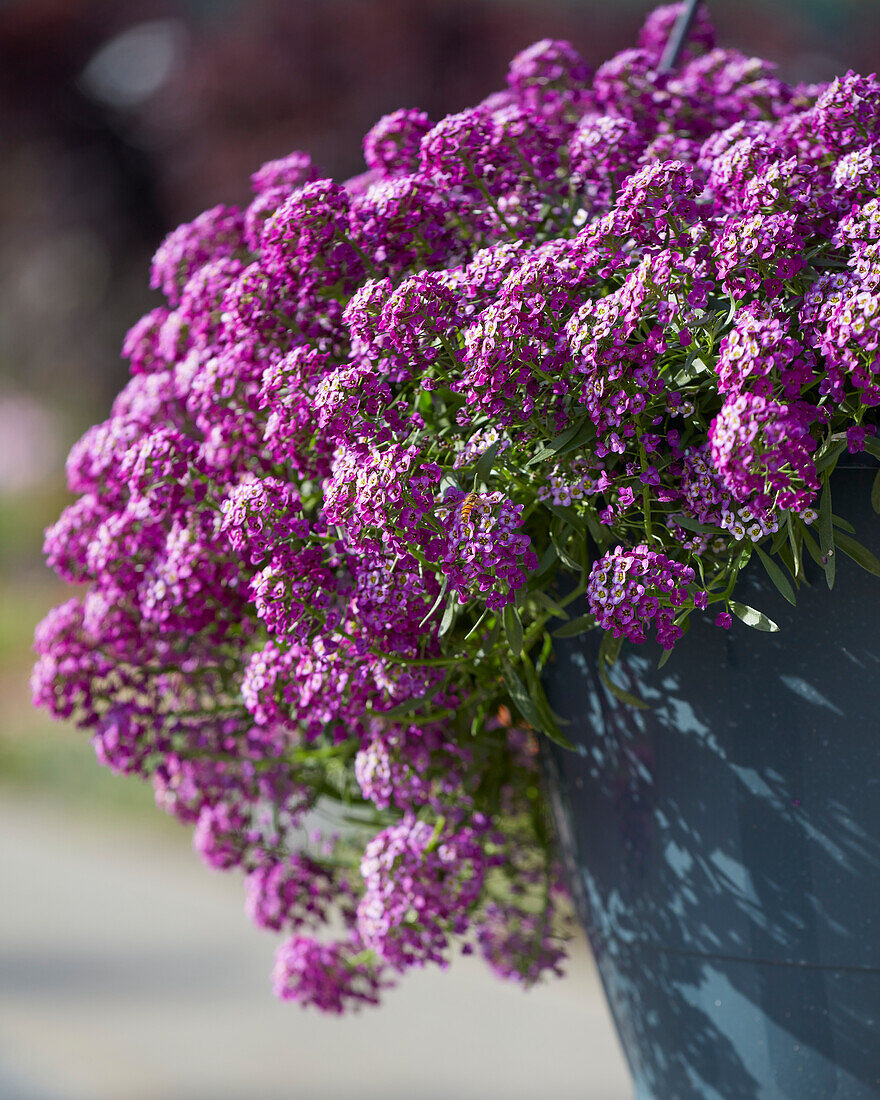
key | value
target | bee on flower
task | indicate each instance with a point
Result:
(470, 502)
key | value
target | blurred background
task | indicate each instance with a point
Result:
(126, 969)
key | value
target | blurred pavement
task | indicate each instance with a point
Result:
(130, 972)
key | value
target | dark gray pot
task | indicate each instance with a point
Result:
(724, 846)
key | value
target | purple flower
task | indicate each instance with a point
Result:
(420, 883)
(392, 145)
(551, 78)
(306, 242)
(629, 591)
(374, 425)
(289, 173)
(411, 767)
(659, 25)
(763, 451)
(325, 975)
(485, 553)
(519, 945)
(213, 235)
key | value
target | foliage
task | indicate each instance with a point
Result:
(565, 359)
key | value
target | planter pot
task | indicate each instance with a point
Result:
(724, 846)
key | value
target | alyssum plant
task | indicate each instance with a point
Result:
(567, 360)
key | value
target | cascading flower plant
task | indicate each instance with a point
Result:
(566, 360)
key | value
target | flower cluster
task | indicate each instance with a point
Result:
(552, 357)
(763, 452)
(706, 499)
(420, 885)
(486, 554)
(631, 590)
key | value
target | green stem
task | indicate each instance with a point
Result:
(484, 191)
(646, 493)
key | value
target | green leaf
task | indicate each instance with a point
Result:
(599, 534)
(580, 625)
(513, 629)
(784, 553)
(608, 652)
(826, 535)
(548, 559)
(488, 644)
(473, 630)
(830, 456)
(519, 696)
(564, 556)
(699, 365)
(779, 538)
(548, 722)
(705, 319)
(487, 460)
(813, 549)
(872, 445)
(618, 692)
(551, 605)
(447, 482)
(585, 561)
(570, 516)
(411, 707)
(545, 654)
(366, 818)
(694, 365)
(843, 524)
(667, 653)
(547, 450)
(794, 541)
(609, 648)
(777, 576)
(691, 524)
(437, 602)
(875, 494)
(573, 437)
(861, 555)
(753, 618)
(449, 613)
